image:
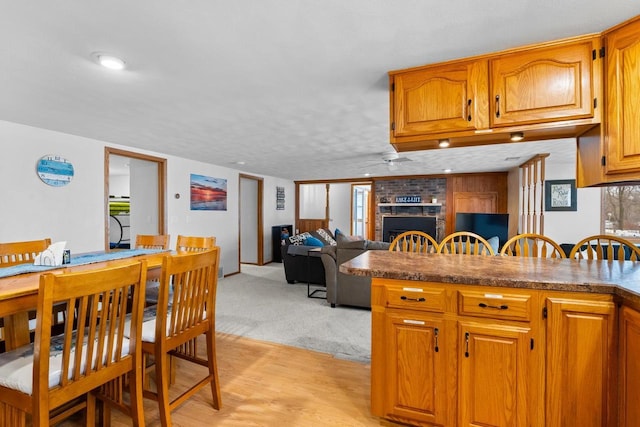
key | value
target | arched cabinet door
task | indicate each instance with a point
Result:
(441, 98)
(545, 84)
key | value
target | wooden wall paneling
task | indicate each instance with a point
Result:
(485, 193)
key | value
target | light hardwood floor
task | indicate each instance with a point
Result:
(266, 384)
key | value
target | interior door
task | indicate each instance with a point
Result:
(137, 182)
(250, 250)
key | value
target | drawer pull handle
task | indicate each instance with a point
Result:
(497, 307)
(435, 332)
(404, 298)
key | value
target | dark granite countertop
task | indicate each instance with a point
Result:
(620, 278)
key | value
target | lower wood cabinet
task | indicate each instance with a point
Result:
(415, 371)
(580, 362)
(458, 355)
(492, 376)
(629, 368)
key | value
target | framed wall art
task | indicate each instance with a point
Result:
(208, 194)
(560, 195)
(280, 198)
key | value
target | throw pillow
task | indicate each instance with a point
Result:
(324, 234)
(494, 242)
(298, 239)
(312, 241)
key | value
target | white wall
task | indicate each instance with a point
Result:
(75, 213)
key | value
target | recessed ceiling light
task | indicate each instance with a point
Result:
(240, 162)
(447, 170)
(444, 143)
(367, 174)
(109, 61)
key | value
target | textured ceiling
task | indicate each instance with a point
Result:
(294, 88)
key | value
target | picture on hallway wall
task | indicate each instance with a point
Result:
(560, 195)
(280, 198)
(208, 194)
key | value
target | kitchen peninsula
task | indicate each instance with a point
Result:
(472, 340)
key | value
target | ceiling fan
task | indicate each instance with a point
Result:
(391, 160)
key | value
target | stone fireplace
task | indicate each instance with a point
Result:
(427, 189)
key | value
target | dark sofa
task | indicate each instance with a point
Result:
(302, 262)
(300, 265)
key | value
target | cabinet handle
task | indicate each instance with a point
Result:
(404, 298)
(466, 343)
(497, 307)
(468, 110)
(436, 331)
(498, 106)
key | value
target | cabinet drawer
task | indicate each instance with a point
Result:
(496, 305)
(417, 298)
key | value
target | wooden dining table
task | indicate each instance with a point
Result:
(19, 293)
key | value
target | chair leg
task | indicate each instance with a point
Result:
(90, 412)
(136, 387)
(162, 384)
(212, 363)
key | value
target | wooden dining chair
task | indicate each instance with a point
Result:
(603, 246)
(54, 377)
(15, 253)
(532, 245)
(465, 243)
(152, 241)
(194, 243)
(181, 317)
(414, 241)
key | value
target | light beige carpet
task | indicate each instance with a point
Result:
(259, 303)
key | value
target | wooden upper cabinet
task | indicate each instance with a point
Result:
(622, 68)
(435, 99)
(545, 84)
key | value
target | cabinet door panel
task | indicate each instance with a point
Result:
(439, 99)
(629, 379)
(546, 84)
(623, 92)
(580, 344)
(416, 371)
(493, 372)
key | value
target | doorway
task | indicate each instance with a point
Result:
(360, 210)
(134, 197)
(250, 220)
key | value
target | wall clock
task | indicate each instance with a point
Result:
(55, 170)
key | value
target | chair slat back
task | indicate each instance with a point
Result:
(150, 241)
(532, 245)
(15, 253)
(465, 243)
(194, 243)
(604, 246)
(194, 277)
(414, 241)
(96, 349)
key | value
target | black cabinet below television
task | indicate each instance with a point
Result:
(276, 240)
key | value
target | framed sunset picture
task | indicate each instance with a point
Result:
(208, 194)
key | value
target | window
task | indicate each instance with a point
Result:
(621, 211)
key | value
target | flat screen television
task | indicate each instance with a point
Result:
(485, 225)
